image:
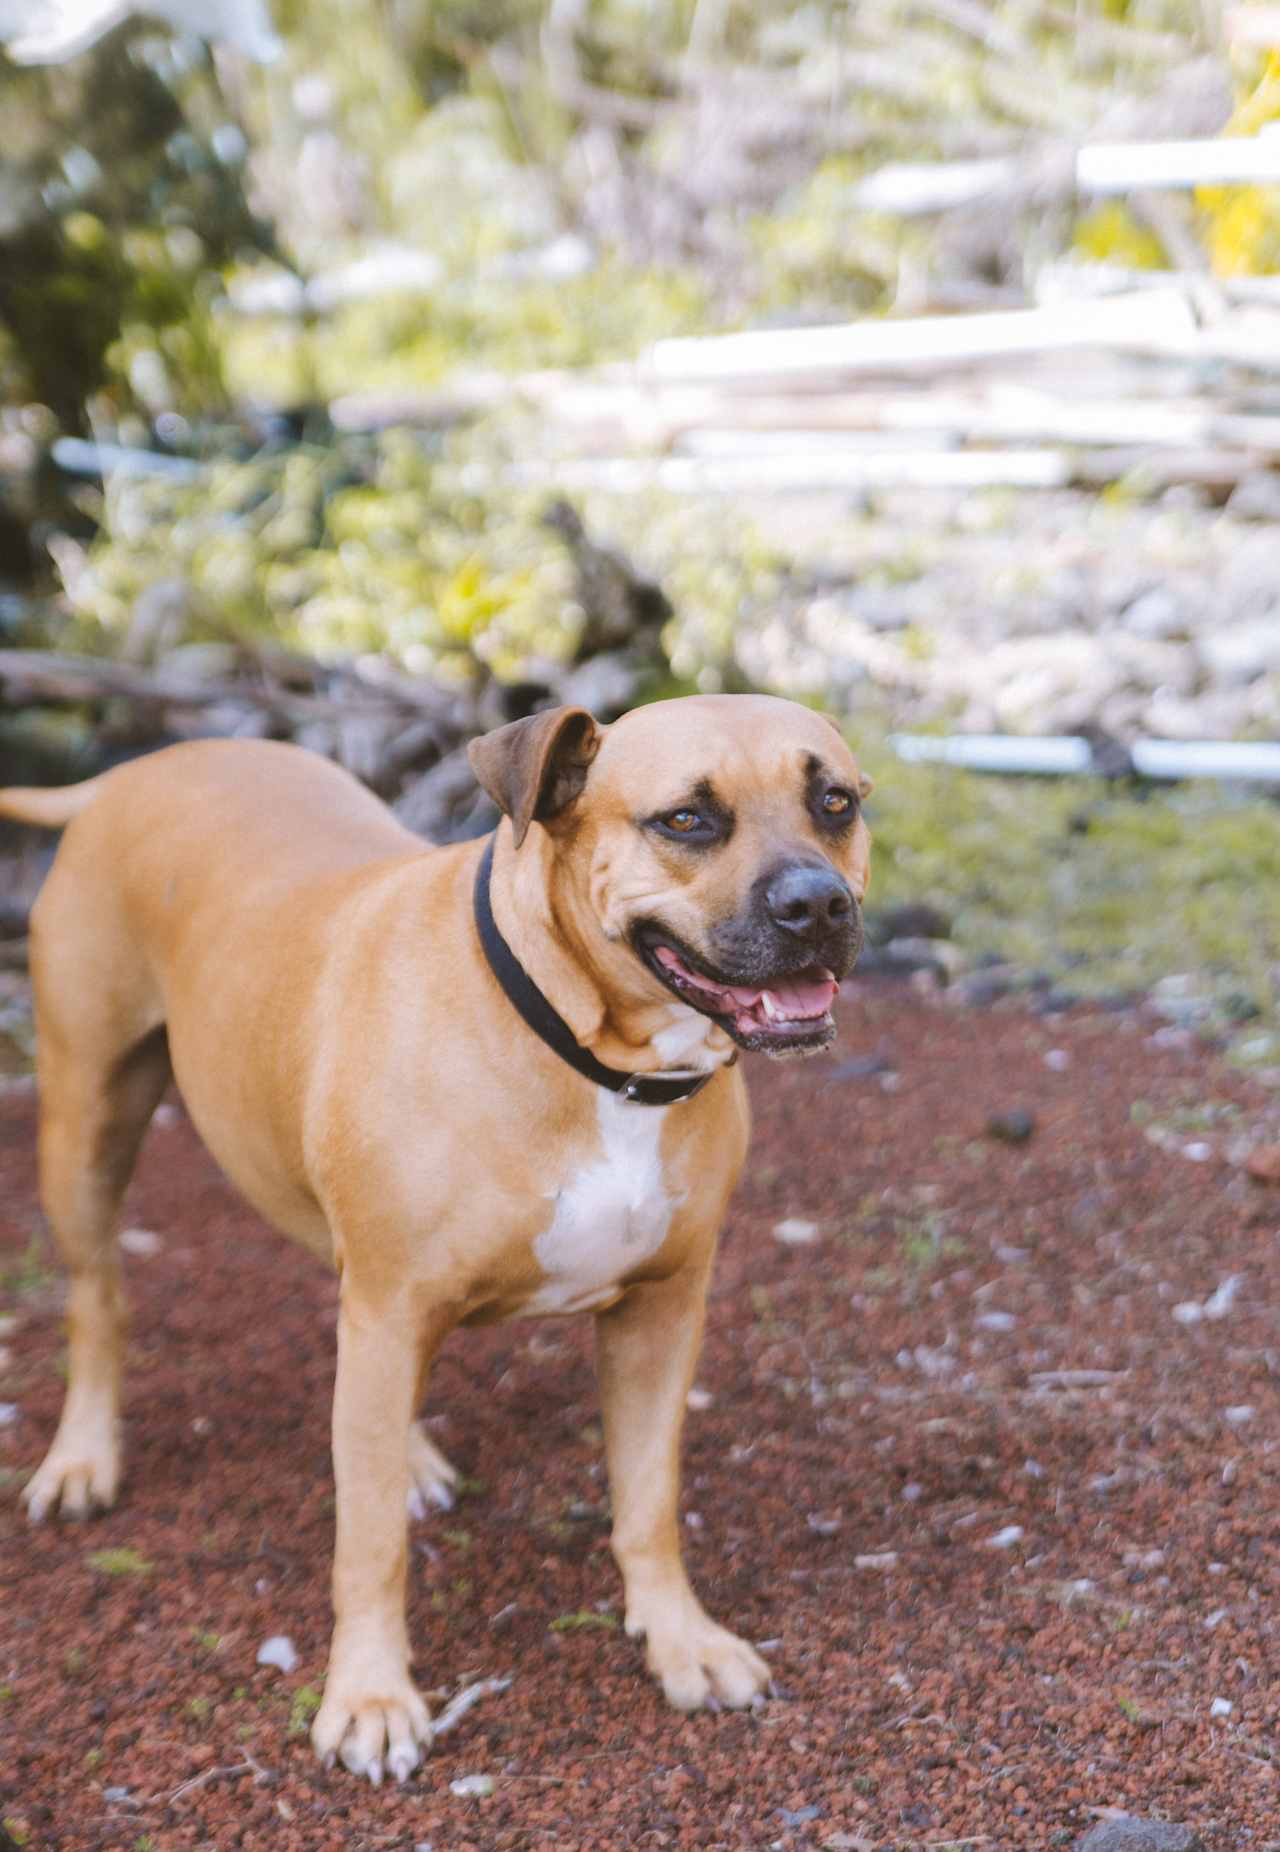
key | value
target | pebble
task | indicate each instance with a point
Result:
(9, 1412)
(1013, 1127)
(1221, 1707)
(794, 1232)
(279, 1651)
(1240, 1414)
(1128, 1833)
(876, 1559)
(698, 1399)
(472, 1787)
(1198, 1151)
(1263, 1164)
(1006, 1538)
(996, 1321)
(1057, 1060)
(140, 1241)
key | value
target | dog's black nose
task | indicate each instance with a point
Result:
(807, 900)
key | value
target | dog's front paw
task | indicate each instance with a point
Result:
(373, 1724)
(79, 1475)
(700, 1663)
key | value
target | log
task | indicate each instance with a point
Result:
(1253, 27)
(46, 677)
(1156, 320)
(1121, 167)
(808, 470)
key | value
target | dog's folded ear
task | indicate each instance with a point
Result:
(534, 768)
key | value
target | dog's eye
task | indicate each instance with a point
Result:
(837, 803)
(683, 822)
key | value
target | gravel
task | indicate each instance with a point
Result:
(931, 1689)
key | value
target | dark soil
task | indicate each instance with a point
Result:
(1007, 1524)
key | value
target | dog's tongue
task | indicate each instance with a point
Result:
(792, 999)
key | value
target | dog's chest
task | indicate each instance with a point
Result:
(612, 1212)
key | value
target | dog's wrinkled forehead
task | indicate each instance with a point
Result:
(736, 751)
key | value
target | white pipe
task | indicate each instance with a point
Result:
(1060, 755)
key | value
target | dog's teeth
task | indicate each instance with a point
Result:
(772, 1008)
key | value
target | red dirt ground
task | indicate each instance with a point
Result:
(885, 1402)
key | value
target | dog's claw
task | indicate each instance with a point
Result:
(401, 1763)
(374, 1772)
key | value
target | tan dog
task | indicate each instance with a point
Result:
(248, 918)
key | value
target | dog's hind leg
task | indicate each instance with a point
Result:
(432, 1477)
(94, 1111)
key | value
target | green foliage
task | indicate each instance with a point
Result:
(121, 212)
(119, 1562)
(303, 1706)
(30, 1273)
(1111, 891)
(583, 1621)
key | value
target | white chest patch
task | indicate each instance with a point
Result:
(610, 1215)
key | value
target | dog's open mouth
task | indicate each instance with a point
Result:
(785, 1012)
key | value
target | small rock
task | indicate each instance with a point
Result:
(1198, 1151)
(472, 1787)
(1005, 1539)
(8, 1414)
(140, 1241)
(794, 1232)
(1156, 613)
(982, 989)
(995, 1321)
(278, 1651)
(1256, 497)
(698, 1399)
(1130, 1834)
(914, 920)
(1240, 1415)
(798, 1816)
(1223, 1297)
(861, 1067)
(1263, 1164)
(876, 1559)
(1057, 1060)
(1013, 1127)
(1221, 1707)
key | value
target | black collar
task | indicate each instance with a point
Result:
(662, 1089)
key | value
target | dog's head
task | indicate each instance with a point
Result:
(718, 841)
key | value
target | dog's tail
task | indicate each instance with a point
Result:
(50, 807)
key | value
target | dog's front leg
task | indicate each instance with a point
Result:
(646, 1351)
(372, 1716)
